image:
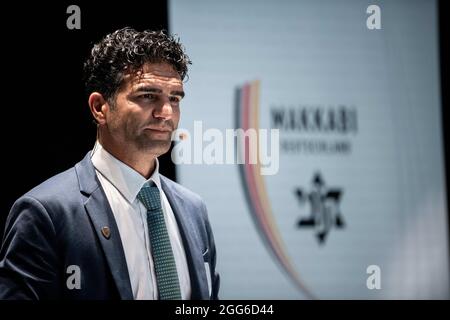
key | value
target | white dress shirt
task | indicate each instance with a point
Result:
(122, 184)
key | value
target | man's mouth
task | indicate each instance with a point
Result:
(158, 129)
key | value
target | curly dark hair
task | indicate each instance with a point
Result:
(125, 51)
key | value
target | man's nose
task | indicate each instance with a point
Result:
(164, 110)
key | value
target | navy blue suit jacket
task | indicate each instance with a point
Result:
(58, 224)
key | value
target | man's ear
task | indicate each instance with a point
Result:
(98, 106)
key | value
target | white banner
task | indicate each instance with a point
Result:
(352, 203)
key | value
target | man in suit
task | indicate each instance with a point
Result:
(112, 227)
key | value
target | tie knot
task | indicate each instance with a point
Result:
(149, 196)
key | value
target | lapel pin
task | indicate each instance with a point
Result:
(106, 232)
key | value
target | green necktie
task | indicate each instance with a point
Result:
(163, 259)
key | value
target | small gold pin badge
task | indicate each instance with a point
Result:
(106, 232)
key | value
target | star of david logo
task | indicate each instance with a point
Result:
(324, 203)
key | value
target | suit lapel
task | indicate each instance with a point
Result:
(191, 242)
(101, 216)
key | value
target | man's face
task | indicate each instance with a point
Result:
(147, 109)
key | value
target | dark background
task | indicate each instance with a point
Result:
(445, 97)
(47, 126)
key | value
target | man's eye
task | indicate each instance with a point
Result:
(149, 96)
(175, 99)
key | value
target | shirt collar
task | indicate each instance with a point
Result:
(124, 178)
